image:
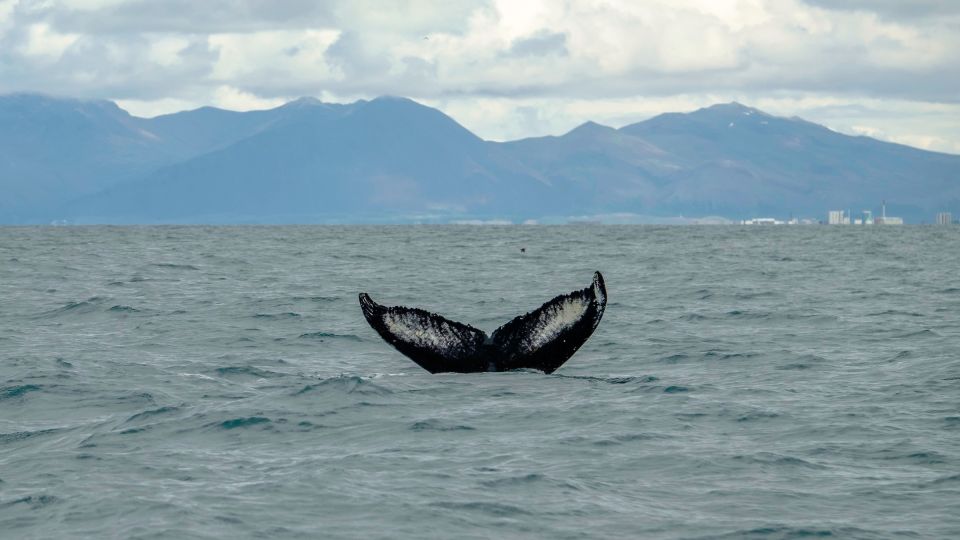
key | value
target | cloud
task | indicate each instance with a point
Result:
(353, 58)
(6, 10)
(275, 62)
(542, 43)
(43, 41)
(895, 9)
(504, 68)
(183, 16)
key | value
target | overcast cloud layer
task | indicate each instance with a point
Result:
(507, 69)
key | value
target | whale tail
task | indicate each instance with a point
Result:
(543, 339)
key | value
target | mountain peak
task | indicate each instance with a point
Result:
(393, 103)
(735, 105)
(35, 99)
(732, 108)
(304, 101)
(589, 128)
(389, 100)
(389, 97)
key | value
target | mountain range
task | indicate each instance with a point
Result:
(394, 160)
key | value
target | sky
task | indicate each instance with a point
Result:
(507, 69)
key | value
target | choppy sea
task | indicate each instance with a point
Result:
(221, 382)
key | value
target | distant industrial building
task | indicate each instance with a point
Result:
(884, 219)
(843, 217)
(838, 217)
(762, 221)
(775, 221)
(944, 218)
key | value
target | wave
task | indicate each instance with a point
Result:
(740, 314)
(93, 304)
(348, 384)
(629, 437)
(277, 316)
(249, 371)
(922, 457)
(319, 299)
(729, 355)
(895, 312)
(752, 295)
(703, 294)
(758, 415)
(12, 392)
(783, 532)
(795, 366)
(515, 480)
(925, 333)
(33, 501)
(132, 431)
(328, 335)
(439, 425)
(244, 422)
(123, 309)
(6, 438)
(642, 383)
(84, 306)
(173, 266)
(611, 380)
(152, 412)
(489, 508)
(943, 480)
(771, 458)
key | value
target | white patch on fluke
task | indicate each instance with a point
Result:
(420, 331)
(554, 321)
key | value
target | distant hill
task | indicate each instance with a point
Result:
(371, 161)
(394, 160)
(736, 161)
(53, 151)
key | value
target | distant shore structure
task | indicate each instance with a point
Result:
(774, 221)
(838, 217)
(944, 218)
(884, 219)
(843, 217)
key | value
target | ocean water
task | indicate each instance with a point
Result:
(221, 382)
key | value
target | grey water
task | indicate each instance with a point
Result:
(221, 382)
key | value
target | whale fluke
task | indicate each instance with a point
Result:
(433, 342)
(543, 339)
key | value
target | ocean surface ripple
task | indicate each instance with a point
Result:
(220, 382)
